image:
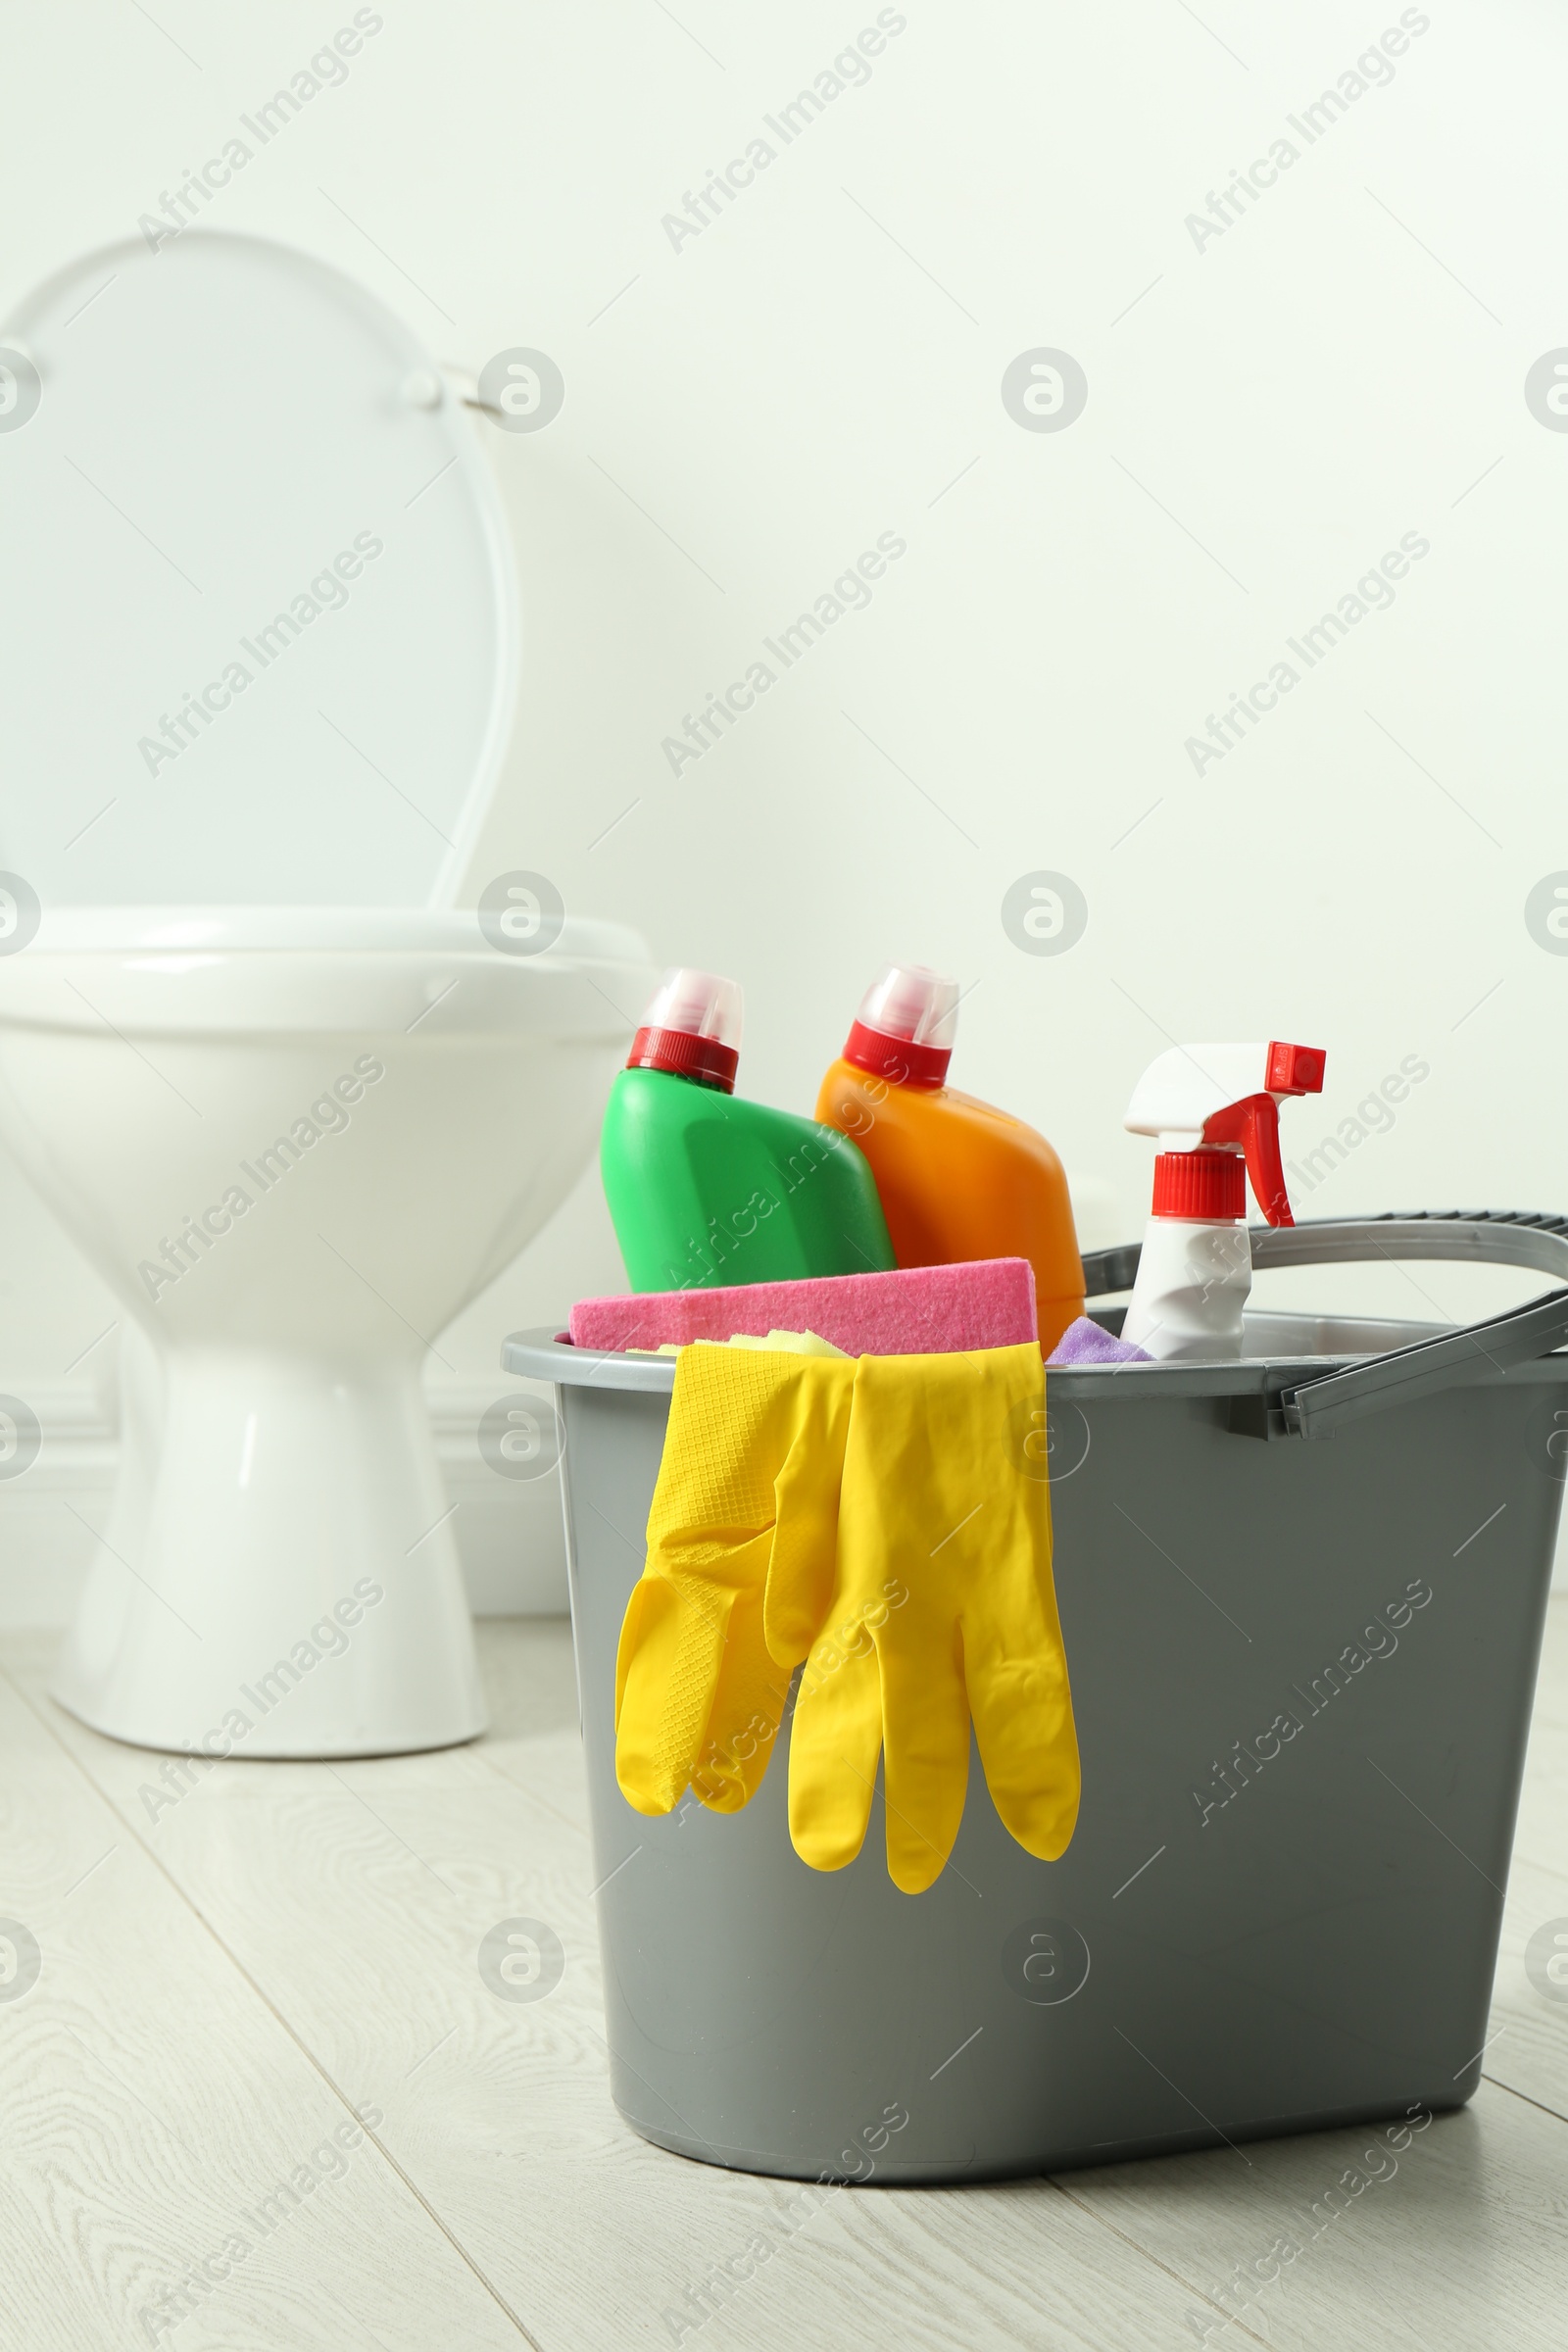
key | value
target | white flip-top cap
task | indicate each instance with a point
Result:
(912, 1002)
(696, 1004)
(256, 595)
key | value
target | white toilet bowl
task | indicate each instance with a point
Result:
(263, 646)
(295, 1156)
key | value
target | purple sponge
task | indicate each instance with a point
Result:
(1085, 1341)
(915, 1310)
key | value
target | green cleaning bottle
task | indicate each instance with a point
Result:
(706, 1191)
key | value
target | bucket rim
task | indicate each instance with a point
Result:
(545, 1353)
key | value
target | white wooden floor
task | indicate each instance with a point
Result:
(227, 1991)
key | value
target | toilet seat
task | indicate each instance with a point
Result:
(203, 971)
(267, 930)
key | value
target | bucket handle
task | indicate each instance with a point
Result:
(1318, 1407)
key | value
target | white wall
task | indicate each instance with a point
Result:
(1270, 410)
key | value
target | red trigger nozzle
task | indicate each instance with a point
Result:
(1254, 1123)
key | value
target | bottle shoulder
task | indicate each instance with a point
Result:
(656, 1122)
(930, 1117)
(662, 1097)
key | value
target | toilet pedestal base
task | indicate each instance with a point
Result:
(278, 1575)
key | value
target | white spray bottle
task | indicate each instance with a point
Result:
(1215, 1111)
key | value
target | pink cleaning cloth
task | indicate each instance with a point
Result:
(1086, 1341)
(915, 1310)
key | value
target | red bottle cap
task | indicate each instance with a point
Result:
(692, 1029)
(685, 1056)
(1205, 1187)
(897, 1059)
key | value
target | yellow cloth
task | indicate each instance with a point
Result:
(938, 1499)
(792, 1343)
(787, 1343)
(741, 1542)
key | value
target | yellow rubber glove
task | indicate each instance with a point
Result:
(938, 1499)
(741, 1542)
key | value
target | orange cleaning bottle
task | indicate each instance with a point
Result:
(958, 1178)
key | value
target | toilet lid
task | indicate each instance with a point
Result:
(257, 620)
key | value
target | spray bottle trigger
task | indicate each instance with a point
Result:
(1254, 1123)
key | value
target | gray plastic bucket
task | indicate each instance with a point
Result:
(1280, 1907)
